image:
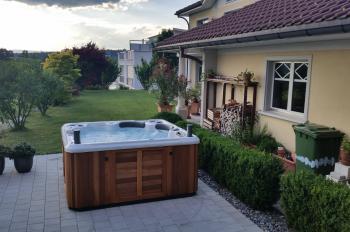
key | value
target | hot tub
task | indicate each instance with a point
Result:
(107, 163)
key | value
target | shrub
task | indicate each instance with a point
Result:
(170, 117)
(22, 150)
(5, 151)
(312, 203)
(18, 91)
(268, 144)
(251, 175)
(49, 91)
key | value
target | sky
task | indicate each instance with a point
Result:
(52, 25)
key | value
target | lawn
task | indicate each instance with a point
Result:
(44, 132)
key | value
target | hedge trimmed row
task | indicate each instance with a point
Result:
(314, 204)
(251, 175)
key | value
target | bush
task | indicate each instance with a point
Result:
(312, 203)
(5, 151)
(22, 150)
(251, 175)
(18, 91)
(170, 117)
(267, 144)
(49, 91)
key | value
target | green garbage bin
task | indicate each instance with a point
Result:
(317, 147)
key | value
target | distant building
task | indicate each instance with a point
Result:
(128, 60)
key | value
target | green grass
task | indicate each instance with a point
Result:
(44, 132)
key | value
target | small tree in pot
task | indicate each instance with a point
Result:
(166, 85)
(22, 156)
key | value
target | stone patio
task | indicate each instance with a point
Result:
(36, 202)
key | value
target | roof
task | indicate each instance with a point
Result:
(188, 8)
(269, 17)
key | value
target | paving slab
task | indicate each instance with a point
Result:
(36, 202)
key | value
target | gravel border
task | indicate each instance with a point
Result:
(272, 220)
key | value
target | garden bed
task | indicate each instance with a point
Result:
(273, 220)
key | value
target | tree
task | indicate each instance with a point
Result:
(65, 66)
(92, 62)
(25, 54)
(111, 73)
(144, 73)
(165, 34)
(50, 88)
(18, 89)
(5, 54)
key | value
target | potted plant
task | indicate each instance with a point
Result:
(195, 102)
(247, 77)
(345, 152)
(22, 156)
(166, 85)
(210, 74)
(4, 152)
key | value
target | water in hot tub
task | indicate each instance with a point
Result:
(112, 133)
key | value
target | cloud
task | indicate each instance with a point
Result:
(106, 4)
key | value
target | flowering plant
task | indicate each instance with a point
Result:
(167, 85)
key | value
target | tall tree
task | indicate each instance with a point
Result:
(5, 54)
(65, 66)
(144, 73)
(165, 34)
(92, 62)
(111, 73)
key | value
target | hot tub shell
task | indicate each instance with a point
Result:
(98, 175)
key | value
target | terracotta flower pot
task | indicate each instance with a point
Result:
(165, 108)
(195, 106)
(2, 164)
(288, 165)
(344, 157)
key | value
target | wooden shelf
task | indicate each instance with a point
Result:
(232, 82)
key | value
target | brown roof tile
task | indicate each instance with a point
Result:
(266, 15)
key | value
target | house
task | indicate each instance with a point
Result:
(129, 59)
(298, 50)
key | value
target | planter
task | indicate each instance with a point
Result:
(288, 165)
(195, 106)
(344, 157)
(165, 108)
(2, 164)
(23, 164)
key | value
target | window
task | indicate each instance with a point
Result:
(202, 21)
(287, 88)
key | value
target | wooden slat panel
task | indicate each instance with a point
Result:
(110, 174)
(139, 174)
(100, 178)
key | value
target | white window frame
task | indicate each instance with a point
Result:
(203, 21)
(288, 114)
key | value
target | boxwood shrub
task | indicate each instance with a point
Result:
(314, 204)
(251, 175)
(170, 117)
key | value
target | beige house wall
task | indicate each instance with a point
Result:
(218, 10)
(329, 100)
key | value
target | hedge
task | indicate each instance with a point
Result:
(251, 175)
(312, 203)
(170, 117)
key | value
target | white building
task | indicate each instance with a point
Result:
(128, 60)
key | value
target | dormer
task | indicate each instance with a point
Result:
(204, 11)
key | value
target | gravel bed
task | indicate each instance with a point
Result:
(272, 220)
